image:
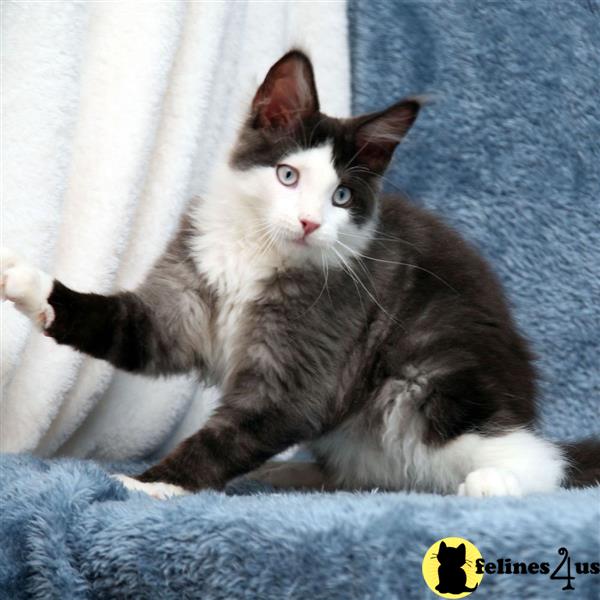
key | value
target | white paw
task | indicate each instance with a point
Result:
(158, 490)
(26, 286)
(490, 482)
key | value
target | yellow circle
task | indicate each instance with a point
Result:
(449, 568)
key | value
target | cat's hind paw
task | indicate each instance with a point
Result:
(490, 481)
(27, 287)
(158, 490)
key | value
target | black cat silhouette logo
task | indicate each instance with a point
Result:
(449, 568)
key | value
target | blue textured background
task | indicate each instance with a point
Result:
(509, 153)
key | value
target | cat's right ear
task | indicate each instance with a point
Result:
(287, 95)
(442, 545)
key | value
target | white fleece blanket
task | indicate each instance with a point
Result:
(113, 115)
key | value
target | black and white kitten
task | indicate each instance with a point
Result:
(328, 313)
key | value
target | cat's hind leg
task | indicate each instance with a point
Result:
(490, 481)
(293, 475)
(513, 464)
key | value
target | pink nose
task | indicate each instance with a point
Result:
(309, 226)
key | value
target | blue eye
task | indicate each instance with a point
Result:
(342, 197)
(287, 175)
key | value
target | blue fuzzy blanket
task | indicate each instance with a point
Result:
(510, 154)
(69, 531)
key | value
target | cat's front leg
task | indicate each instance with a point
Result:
(156, 329)
(238, 438)
(160, 491)
(27, 287)
(117, 328)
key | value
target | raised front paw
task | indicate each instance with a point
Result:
(26, 286)
(490, 481)
(158, 490)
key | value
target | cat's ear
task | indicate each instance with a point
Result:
(442, 545)
(462, 549)
(287, 95)
(378, 134)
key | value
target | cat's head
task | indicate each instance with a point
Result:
(452, 557)
(311, 181)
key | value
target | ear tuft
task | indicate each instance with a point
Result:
(378, 134)
(287, 95)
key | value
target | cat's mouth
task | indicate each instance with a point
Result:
(301, 241)
(308, 243)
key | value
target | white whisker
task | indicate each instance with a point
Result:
(357, 279)
(320, 293)
(386, 238)
(394, 262)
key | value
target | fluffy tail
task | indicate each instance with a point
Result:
(583, 463)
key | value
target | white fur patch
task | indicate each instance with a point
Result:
(394, 457)
(515, 463)
(490, 481)
(158, 490)
(27, 287)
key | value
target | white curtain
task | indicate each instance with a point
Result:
(113, 115)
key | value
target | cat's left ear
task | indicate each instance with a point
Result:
(462, 549)
(288, 94)
(378, 134)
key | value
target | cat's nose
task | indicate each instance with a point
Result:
(309, 226)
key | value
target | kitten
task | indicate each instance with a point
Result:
(328, 313)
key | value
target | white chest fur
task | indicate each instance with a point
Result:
(236, 268)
